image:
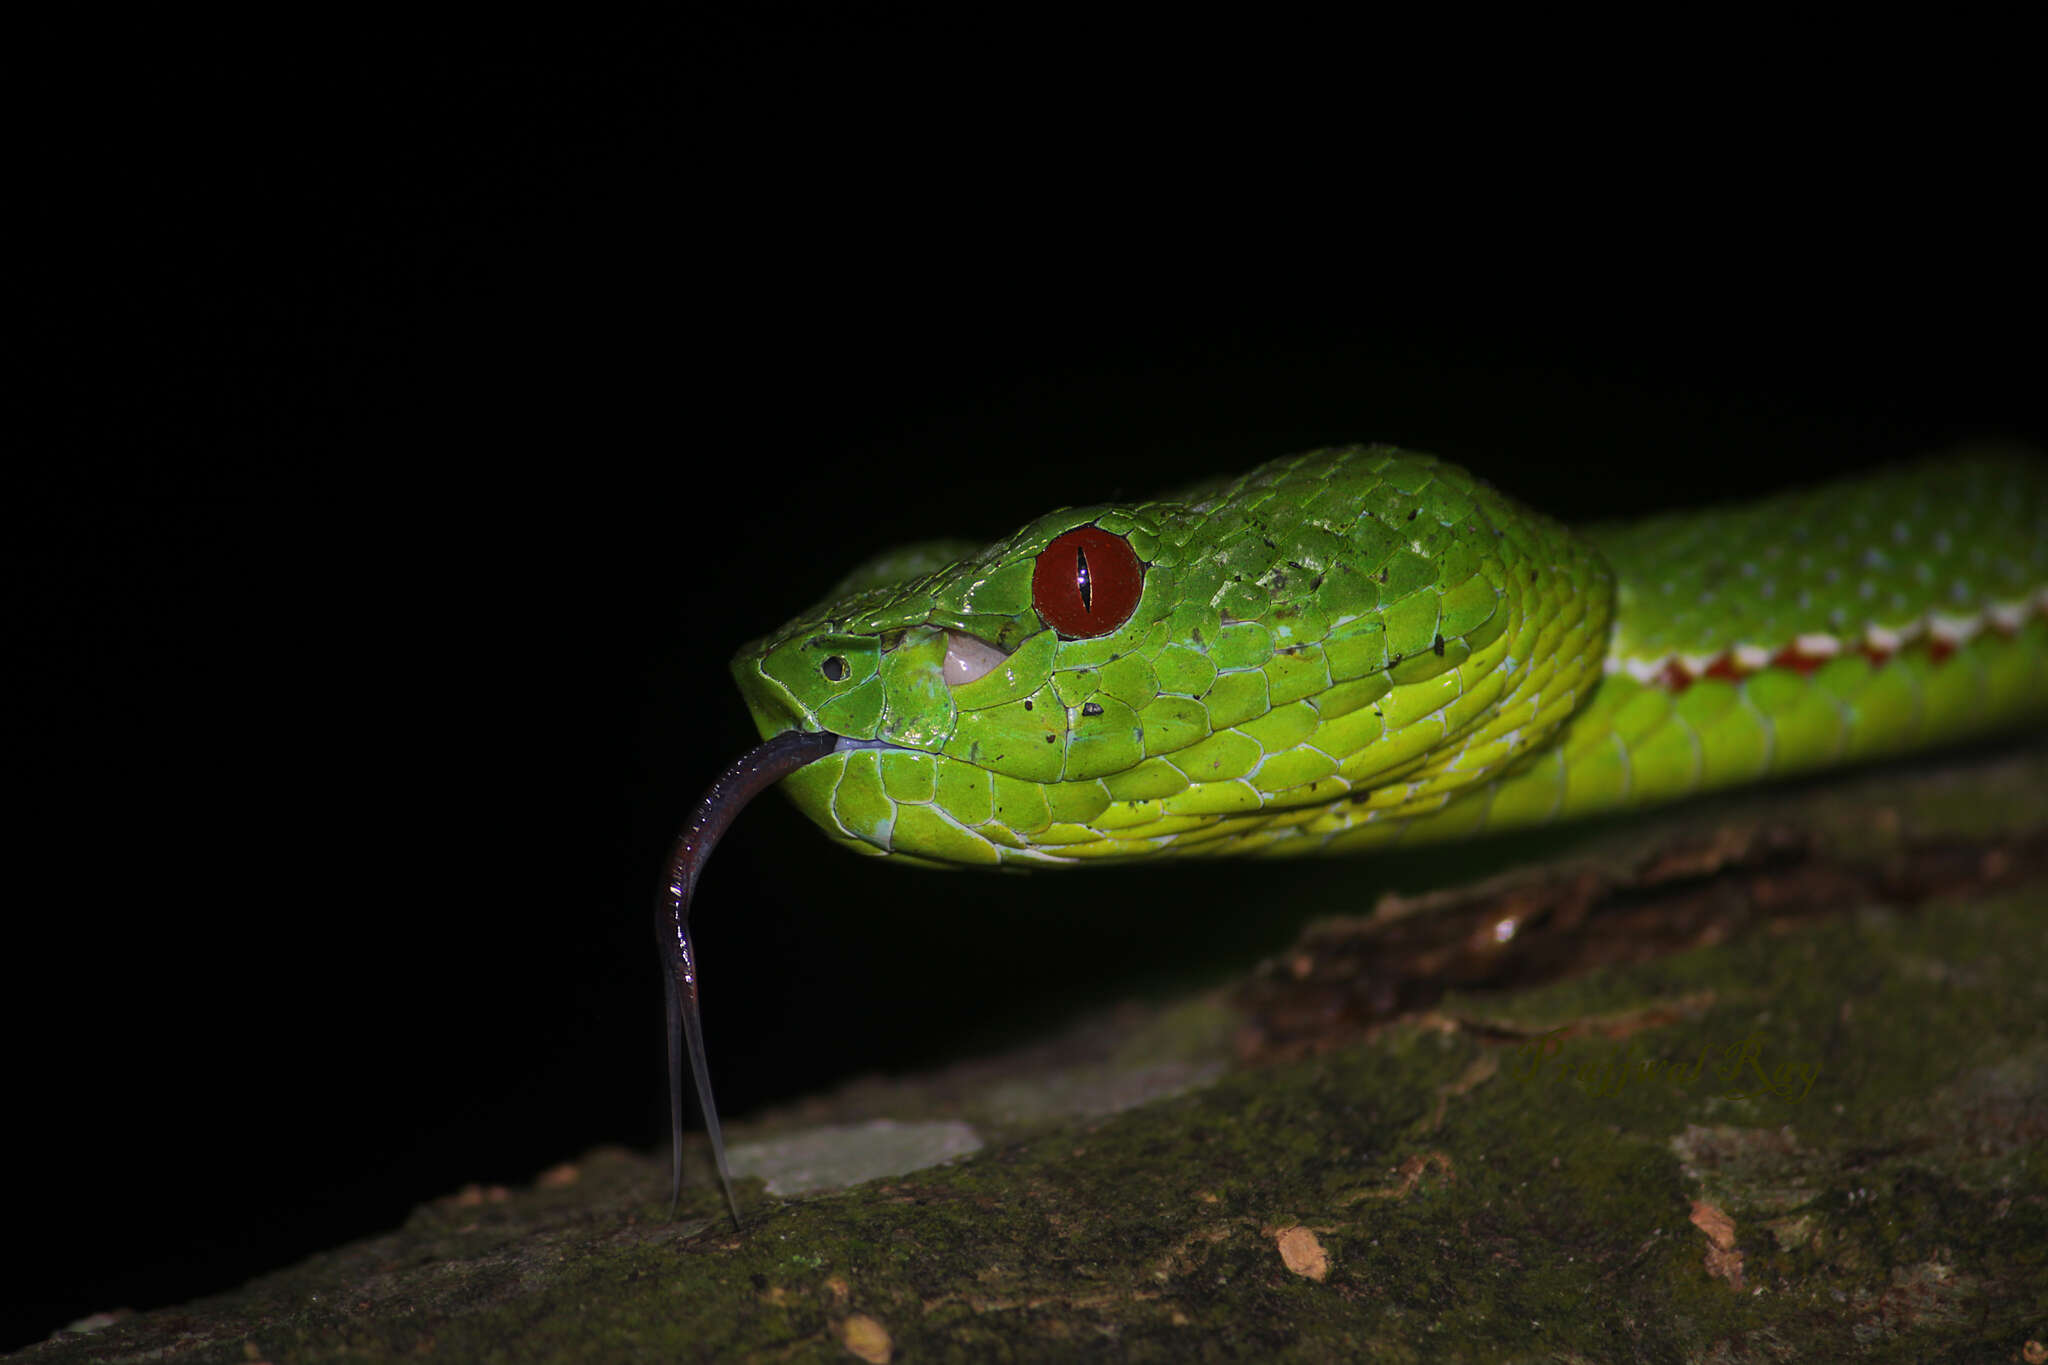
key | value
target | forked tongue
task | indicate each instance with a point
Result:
(756, 771)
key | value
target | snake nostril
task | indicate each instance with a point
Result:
(834, 669)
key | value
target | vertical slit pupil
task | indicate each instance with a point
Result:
(1081, 579)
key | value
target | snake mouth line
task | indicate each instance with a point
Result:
(847, 744)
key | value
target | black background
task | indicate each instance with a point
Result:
(432, 428)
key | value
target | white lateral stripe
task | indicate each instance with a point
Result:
(1816, 646)
(1750, 658)
(1954, 630)
(1881, 641)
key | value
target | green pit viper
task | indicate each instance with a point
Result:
(1363, 646)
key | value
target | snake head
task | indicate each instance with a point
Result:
(1111, 678)
(1269, 664)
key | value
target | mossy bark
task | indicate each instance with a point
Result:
(1761, 1080)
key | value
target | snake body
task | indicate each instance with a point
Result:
(1361, 645)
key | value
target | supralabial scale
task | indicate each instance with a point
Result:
(1364, 646)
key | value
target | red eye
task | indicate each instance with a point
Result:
(1086, 582)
